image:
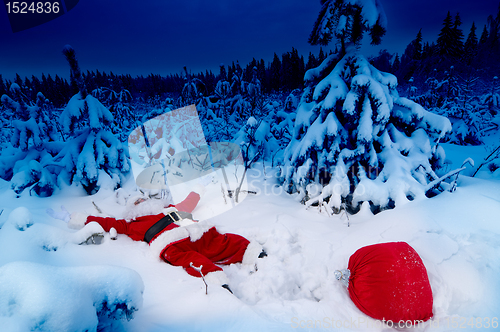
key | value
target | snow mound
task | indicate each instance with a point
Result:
(21, 218)
(48, 298)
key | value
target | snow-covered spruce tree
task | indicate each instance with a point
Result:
(5, 124)
(281, 118)
(118, 104)
(91, 147)
(253, 93)
(251, 139)
(192, 90)
(31, 119)
(355, 140)
(222, 121)
(240, 105)
(30, 143)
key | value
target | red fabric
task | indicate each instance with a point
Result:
(389, 281)
(212, 248)
(136, 229)
(189, 203)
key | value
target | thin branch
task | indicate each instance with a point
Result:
(454, 183)
(202, 276)
(436, 183)
(96, 207)
(487, 159)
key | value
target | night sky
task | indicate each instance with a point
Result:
(162, 36)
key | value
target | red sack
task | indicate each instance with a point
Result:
(389, 281)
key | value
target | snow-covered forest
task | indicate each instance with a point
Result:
(340, 151)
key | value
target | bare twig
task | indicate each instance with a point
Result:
(202, 276)
(96, 207)
(248, 164)
(489, 158)
(230, 192)
(223, 193)
(346, 214)
(454, 183)
(436, 183)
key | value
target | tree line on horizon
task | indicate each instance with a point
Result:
(281, 74)
(474, 55)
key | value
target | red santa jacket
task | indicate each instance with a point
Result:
(137, 228)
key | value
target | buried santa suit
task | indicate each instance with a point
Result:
(180, 241)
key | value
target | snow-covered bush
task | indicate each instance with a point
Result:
(239, 103)
(252, 139)
(31, 123)
(192, 90)
(32, 142)
(255, 141)
(469, 121)
(292, 101)
(253, 92)
(219, 117)
(492, 97)
(281, 119)
(455, 96)
(6, 124)
(124, 119)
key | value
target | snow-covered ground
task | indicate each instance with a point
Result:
(49, 282)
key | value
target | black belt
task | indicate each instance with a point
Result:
(164, 222)
(161, 224)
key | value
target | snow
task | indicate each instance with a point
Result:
(425, 118)
(49, 282)
(21, 218)
(370, 129)
(371, 11)
(76, 110)
(50, 298)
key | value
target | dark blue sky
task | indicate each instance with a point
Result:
(161, 36)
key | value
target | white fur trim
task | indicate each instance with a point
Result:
(193, 231)
(113, 234)
(184, 222)
(150, 206)
(217, 278)
(252, 253)
(167, 210)
(197, 229)
(77, 220)
(83, 234)
(167, 237)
